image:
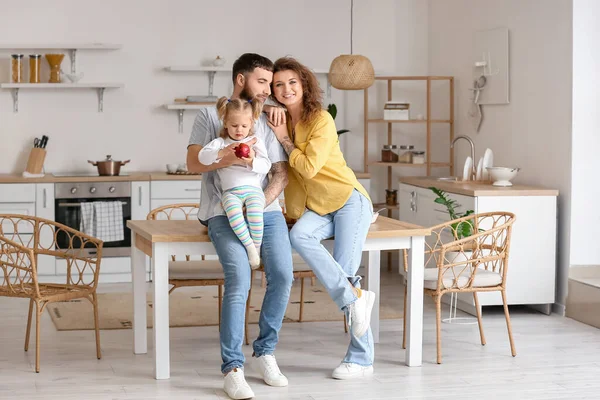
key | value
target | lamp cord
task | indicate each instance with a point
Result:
(351, 23)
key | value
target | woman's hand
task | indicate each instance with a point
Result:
(280, 131)
(275, 115)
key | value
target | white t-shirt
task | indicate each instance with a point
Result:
(237, 175)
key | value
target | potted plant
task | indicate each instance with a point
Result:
(332, 109)
(460, 230)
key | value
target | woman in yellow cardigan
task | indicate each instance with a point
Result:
(327, 199)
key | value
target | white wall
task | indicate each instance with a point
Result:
(157, 33)
(534, 130)
(585, 191)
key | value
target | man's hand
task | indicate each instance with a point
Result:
(275, 115)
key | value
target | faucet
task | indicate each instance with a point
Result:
(473, 168)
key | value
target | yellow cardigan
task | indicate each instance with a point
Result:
(319, 178)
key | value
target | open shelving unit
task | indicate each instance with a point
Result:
(73, 48)
(428, 122)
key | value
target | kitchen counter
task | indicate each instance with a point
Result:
(129, 177)
(478, 188)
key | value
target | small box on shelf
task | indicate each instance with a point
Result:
(394, 110)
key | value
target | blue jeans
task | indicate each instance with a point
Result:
(276, 254)
(350, 225)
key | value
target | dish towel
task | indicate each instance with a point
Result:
(103, 220)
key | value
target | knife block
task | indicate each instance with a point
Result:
(35, 163)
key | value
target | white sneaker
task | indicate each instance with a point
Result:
(360, 313)
(235, 385)
(350, 371)
(253, 256)
(267, 368)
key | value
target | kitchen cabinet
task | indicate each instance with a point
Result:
(531, 272)
(140, 207)
(172, 192)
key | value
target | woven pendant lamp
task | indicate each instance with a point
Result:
(351, 71)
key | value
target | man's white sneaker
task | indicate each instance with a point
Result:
(235, 385)
(253, 256)
(350, 371)
(360, 313)
(267, 367)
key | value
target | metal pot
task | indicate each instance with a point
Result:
(108, 167)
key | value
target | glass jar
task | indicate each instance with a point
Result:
(391, 197)
(388, 153)
(34, 68)
(16, 70)
(406, 156)
(418, 157)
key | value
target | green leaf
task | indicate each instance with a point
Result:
(332, 109)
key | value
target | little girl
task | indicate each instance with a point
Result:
(240, 184)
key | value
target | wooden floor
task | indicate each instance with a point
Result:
(558, 358)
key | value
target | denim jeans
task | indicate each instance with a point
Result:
(276, 255)
(350, 225)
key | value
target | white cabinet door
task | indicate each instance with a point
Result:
(44, 208)
(176, 190)
(140, 200)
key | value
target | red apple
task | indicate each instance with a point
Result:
(242, 150)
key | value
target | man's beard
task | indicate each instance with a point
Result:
(245, 94)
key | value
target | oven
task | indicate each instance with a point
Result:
(68, 199)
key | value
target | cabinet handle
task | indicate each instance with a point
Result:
(140, 195)
(192, 190)
(45, 198)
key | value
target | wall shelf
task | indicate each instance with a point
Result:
(101, 86)
(181, 107)
(72, 48)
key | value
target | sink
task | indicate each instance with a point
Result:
(449, 179)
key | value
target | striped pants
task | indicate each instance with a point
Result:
(254, 199)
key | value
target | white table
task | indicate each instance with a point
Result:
(161, 239)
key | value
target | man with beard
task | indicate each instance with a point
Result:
(252, 76)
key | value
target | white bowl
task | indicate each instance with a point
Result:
(501, 176)
(172, 168)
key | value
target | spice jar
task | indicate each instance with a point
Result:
(418, 157)
(16, 68)
(391, 197)
(388, 153)
(34, 68)
(406, 156)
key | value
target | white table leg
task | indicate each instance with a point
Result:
(414, 306)
(160, 307)
(138, 277)
(373, 284)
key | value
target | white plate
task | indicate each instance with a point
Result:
(479, 175)
(488, 161)
(468, 168)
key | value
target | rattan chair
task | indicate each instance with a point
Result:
(471, 264)
(21, 242)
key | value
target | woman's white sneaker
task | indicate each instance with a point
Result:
(268, 369)
(235, 385)
(360, 313)
(350, 371)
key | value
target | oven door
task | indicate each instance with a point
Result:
(68, 212)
